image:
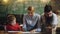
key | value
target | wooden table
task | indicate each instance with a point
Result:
(18, 32)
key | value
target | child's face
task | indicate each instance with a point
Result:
(13, 22)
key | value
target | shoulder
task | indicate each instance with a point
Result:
(54, 15)
(36, 14)
(42, 15)
(25, 15)
(8, 25)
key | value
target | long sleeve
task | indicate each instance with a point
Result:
(38, 25)
(55, 21)
(39, 22)
(24, 23)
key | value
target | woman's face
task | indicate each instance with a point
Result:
(31, 11)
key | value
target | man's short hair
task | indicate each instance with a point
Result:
(47, 8)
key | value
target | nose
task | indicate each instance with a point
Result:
(48, 15)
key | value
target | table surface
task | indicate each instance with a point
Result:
(17, 32)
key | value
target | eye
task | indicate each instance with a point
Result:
(50, 13)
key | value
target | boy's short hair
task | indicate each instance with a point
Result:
(10, 18)
(47, 8)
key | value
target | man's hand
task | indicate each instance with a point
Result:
(48, 29)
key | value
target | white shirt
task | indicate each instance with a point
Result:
(31, 21)
(55, 19)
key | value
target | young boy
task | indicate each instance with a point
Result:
(12, 25)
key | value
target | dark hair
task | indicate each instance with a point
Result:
(47, 8)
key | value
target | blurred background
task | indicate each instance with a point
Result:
(19, 8)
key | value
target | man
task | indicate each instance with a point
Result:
(31, 20)
(48, 20)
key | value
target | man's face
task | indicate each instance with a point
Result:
(48, 14)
